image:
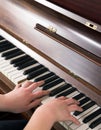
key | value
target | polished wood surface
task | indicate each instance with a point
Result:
(89, 9)
(72, 10)
(80, 68)
(25, 31)
(83, 70)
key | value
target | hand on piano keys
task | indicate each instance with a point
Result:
(22, 98)
(58, 109)
(18, 66)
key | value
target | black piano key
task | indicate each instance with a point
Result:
(91, 116)
(32, 69)
(6, 47)
(79, 96)
(95, 123)
(37, 73)
(14, 55)
(44, 77)
(1, 38)
(85, 107)
(84, 100)
(30, 62)
(67, 92)
(5, 43)
(9, 52)
(23, 61)
(59, 89)
(52, 84)
(50, 79)
(18, 59)
(5, 54)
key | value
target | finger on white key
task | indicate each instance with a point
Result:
(88, 123)
(87, 126)
(20, 79)
(87, 111)
(74, 126)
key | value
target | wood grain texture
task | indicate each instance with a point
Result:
(19, 19)
(90, 9)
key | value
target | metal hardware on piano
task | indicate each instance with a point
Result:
(38, 42)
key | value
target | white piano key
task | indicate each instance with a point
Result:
(11, 69)
(85, 103)
(86, 126)
(4, 62)
(19, 79)
(63, 90)
(17, 71)
(56, 86)
(7, 67)
(1, 60)
(73, 94)
(2, 40)
(8, 50)
(17, 56)
(85, 112)
(31, 66)
(64, 124)
(74, 126)
(49, 98)
(40, 76)
(4, 66)
(14, 73)
(82, 114)
(9, 60)
(45, 100)
(96, 128)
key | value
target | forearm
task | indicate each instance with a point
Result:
(3, 104)
(40, 121)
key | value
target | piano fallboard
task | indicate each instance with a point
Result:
(9, 74)
(79, 64)
(65, 47)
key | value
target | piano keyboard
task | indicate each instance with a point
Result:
(18, 66)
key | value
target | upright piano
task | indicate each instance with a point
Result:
(59, 42)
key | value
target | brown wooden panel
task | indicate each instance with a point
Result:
(89, 9)
(46, 47)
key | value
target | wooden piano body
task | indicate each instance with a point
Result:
(65, 46)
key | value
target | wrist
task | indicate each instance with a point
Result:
(49, 115)
(3, 103)
(43, 116)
